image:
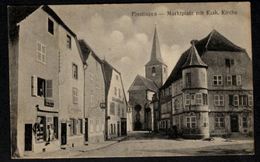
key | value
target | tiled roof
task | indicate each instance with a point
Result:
(145, 82)
(193, 59)
(213, 42)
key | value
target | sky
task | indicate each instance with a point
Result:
(122, 35)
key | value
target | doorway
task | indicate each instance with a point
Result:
(86, 129)
(28, 137)
(118, 129)
(63, 133)
(234, 123)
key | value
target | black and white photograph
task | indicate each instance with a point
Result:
(130, 80)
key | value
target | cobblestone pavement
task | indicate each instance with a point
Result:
(144, 144)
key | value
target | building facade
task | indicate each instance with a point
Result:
(57, 85)
(211, 90)
(143, 88)
(116, 122)
(34, 52)
(94, 96)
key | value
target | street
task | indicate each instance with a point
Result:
(143, 144)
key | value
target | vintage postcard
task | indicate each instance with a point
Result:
(131, 80)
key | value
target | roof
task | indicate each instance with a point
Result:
(214, 41)
(19, 13)
(144, 82)
(156, 51)
(108, 70)
(193, 58)
(86, 51)
(57, 18)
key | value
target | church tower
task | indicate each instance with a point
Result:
(156, 69)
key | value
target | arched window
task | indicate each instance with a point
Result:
(153, 71)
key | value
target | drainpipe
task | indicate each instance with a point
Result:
(84, 106)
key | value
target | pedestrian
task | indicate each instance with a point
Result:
(48, 132)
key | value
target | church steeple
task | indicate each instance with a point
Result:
(156, 69)
(156, 51)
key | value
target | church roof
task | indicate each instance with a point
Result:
(193, 59)
(156, 51)
(214, 41)
(142, 83)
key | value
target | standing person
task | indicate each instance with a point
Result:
(48, 132)
(51, 133)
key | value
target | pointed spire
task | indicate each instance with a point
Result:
(156, 51)
(193, 57)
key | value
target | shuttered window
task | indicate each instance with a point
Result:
(49, 89)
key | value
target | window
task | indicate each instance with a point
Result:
(115, 91)
(112, 108)
(229, 80)
(218, 100)
(239, 80)
(68, 41)
(243, 100)
(41, 87)
(75, 95)
(199, 99)
(50, 26)
(205, 99)
(74, 71)
(229, 62)
(191, 122)
(49, 88)
(187, 99)
(188, 79)
(250, 100)
(217, 80)
(245, 123)
(153, 71)
(41, 53)
(80, 126)
(219, 122)
(40, 129)
(192, 99)
(235, 100)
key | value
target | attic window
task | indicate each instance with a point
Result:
(229, 62)
(50, 26)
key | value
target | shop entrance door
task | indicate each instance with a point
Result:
(28, 137)
(234, 123)
(63, 133)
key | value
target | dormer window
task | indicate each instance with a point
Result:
(153, 71)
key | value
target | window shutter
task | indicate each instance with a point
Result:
(49, 89)
(34, 85)
(231, 100)
(234, 80)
